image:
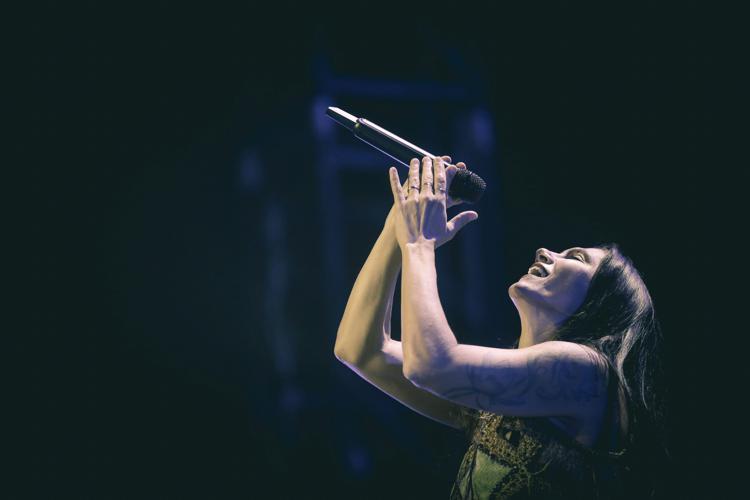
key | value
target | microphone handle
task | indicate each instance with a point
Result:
(466, 185)
(394, 146)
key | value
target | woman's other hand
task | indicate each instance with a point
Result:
(450, 173)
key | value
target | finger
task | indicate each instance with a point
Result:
(459, 221)
(461, 164)
(413, 178)
(450, 173)
(398, 192)
(427, 175)
(447, 161)
(440, 180)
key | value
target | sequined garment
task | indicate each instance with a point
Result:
(514, 458)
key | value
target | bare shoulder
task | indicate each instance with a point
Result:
(586, 426)
(572, 361)
(580, 354)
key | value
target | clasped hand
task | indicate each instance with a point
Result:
(420, 206)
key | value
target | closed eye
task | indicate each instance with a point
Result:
(577, 255)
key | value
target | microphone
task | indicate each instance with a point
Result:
(466, 185)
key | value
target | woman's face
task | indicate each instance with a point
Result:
(558, 282)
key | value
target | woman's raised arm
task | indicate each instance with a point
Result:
(363, 341)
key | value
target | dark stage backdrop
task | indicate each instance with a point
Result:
(195, 224)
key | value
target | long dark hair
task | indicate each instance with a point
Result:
(617, 320)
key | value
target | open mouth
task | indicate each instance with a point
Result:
(538, 270)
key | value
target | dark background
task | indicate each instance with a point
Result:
(190, 234)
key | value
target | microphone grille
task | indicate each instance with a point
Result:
(467, 186)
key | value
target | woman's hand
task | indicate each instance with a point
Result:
(420, 207)
(450, 173)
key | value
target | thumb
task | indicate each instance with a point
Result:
(460, 220)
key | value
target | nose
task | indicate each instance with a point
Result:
(543, 256)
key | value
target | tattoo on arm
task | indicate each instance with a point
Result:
(546, 376)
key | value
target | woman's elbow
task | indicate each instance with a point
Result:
(340, 353)
(351, 358)
(429, 375)
(416, 373)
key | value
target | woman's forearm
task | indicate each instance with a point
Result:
(365, 325)
(426, 337)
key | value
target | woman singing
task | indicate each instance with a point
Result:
(573, 411)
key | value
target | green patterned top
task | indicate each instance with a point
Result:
(529, 457)
(513, 458)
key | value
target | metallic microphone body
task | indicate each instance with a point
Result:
(466, 185)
